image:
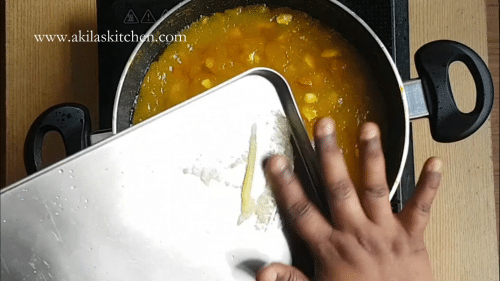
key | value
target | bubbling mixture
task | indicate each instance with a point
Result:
(326, 74)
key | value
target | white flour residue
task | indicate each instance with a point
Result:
(273, 138)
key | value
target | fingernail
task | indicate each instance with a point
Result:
(369, 131)
(325, 127)
(279, 165)
(435, 165)
(270, 275)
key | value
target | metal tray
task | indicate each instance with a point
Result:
(161, 200)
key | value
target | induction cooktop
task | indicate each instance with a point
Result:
(387, 18)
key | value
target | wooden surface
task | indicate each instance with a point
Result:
(492, 11)
(462, 234)
(2, 96)
(42, 74)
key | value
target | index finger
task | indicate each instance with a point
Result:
(303, 214)
(345, 207)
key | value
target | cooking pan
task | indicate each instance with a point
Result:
(430, 96)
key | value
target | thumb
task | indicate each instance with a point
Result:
(280, 272)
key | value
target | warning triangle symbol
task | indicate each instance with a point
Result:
(131, 18)
(164, 12)
(148, 17)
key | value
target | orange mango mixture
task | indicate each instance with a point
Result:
(326, 74)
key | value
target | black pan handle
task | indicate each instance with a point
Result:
(71, 121)
(447, 122)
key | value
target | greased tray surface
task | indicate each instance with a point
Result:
(161, 200)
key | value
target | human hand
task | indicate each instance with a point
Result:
(364, 240)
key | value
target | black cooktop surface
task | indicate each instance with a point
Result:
(387, 18)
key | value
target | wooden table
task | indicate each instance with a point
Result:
(461, 237)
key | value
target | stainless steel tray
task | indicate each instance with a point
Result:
(162, 200)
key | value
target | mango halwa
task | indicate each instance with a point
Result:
(326, 75)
